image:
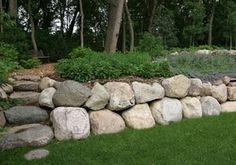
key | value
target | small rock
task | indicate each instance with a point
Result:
(99, 98)
(166, 110)
(203, 52)
(35, 136)
(3, 94)
(196, 87)
(177, 86)
(139, 117)
(26, 86)
(106, 122)
(220, 93)
(210, 106)
(7, 88)
(46, 82)
(121, 96)
(226, 80)
(45, 98)
(145, 93)
(25, 115)
(2, 119)
(231, 93)
(36, 154)
(191, 107)
(70, 123)
(71, 94)
(29, 98)
(229, 106)
(206, 89)
(27, 78)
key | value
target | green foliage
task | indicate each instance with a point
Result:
(30, 63)
(106, 66)
(8, 52)
(151, 44)
(202, 65)
(9, 103)
(80, 52)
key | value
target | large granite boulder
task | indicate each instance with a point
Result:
(121, 96)
(27, 78)
(139, 117)
(177, 86)
(145, 93)
(25, 115)
(71, 94)
(45, 98)
(229, 106)
(99, 98)
(166, 111)
(231, 93)
(106, 122)
(220, 93)
(210, 106)
(46, 82)
(192, 107)
(70, 123)
(26, 86)
(206, 89)
(195, 88)
(29, 98)
(35, 136)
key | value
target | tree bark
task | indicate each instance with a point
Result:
(231, 42)
(114, 21)
(35, 47)
(1, 10)
(154, 6)
(81, 24)
(72, 24)
(124, 33)
(131, 29)
(211, 23)
(13, 9)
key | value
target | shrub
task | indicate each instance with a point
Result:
(30, 63)
(8, 52)
(151, 44)
(80, 52)
(105, 66)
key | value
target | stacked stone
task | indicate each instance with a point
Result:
(75, 110)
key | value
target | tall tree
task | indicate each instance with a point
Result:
(1, 11)
(131, 29)
(114, 21)
(13, 9)
(81, 24)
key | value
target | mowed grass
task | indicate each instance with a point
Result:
(210, 140)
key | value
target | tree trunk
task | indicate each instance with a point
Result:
(114, 21)
(124, 33)
(131, 29)
(230, 42)
(1, 10)
(81, 24)
(154, 6)
(13, 9)
(73, 21)
(35, 47)
(211, 24)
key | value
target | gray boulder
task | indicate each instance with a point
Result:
(25, 115)
(145, 93)
(45, 98)
(177, 86)
(71, 94)
(99, 98)
(70, 123)
(219, 93)
(192, 107)
(2, 119)
(26, 86)
(210, 106)
(196, 87)
(36, 154)
(46, 82)
(35, 136)
(139, 117)
(121, 96)
(29, 98)
(27, 78)
(106, 122)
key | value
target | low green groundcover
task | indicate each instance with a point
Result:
(210, 140)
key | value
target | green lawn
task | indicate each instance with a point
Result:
(208, 141)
